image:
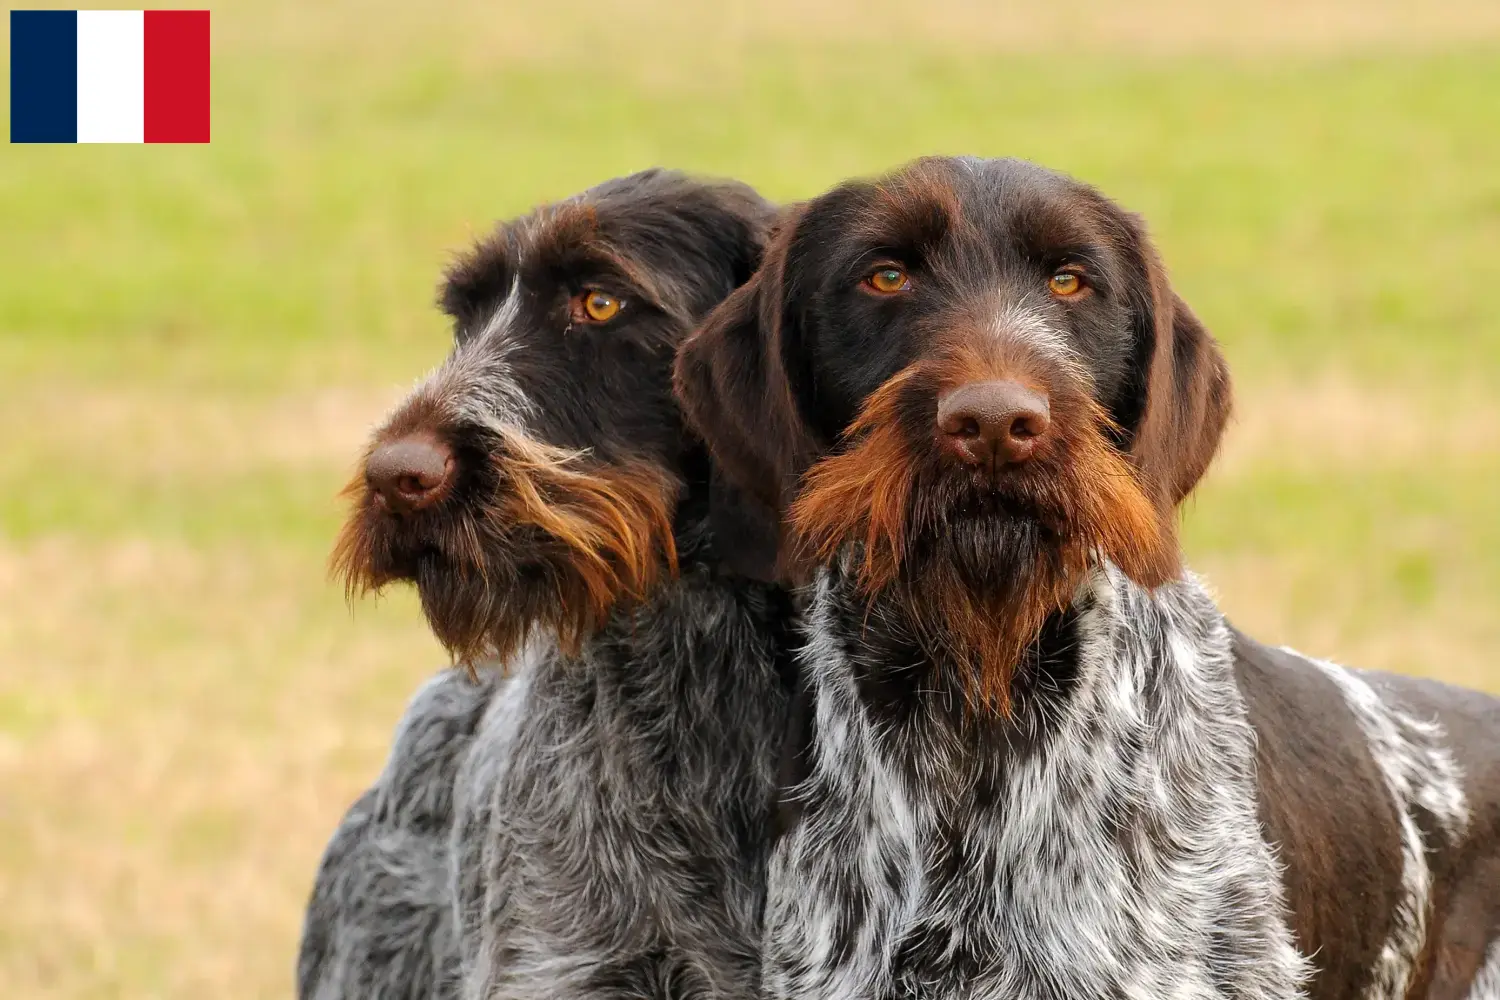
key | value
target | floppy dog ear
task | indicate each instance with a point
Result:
(1187, 391)
(732, 382)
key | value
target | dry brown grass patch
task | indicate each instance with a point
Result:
(1336, 613)
(183, 728)
(140, 431)
(1331, 420)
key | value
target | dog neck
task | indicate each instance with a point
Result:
(1112, 632)
(712, 549)
(721, 527)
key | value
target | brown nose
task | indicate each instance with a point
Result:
(411, 472)
(997, 423)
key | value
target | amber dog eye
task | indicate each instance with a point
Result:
(1065, 284)
(596, 307)
(889, 280)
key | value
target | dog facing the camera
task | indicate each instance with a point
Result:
(600, 816)
(1033, 761)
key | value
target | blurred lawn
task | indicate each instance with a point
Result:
(194, 340)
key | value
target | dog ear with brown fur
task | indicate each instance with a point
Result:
(1188, 402)
(1185, 384)
(731, 382)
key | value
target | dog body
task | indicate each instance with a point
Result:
(613, 822)
(607, 819)
(1132, 838)
(1382, 795)
(1030, 759)
(381, 922)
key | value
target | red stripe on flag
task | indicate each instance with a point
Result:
(176, 76)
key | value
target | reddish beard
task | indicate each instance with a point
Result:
(978, 566)
(556, 547)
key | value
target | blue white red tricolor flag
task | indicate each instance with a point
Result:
(109, 76)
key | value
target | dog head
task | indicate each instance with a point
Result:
(530, 482)
(974, 377)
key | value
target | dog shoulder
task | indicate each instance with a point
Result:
(1370, 785)
(1325, 808)
(416, 786)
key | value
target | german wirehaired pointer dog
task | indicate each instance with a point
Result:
(1033, 760)
(598, 824)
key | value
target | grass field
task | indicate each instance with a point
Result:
(194, 340)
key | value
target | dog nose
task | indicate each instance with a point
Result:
(411, 472)
(999, 422)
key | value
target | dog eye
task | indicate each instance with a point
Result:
(889, 281)
(595, 306)
(1065, 284)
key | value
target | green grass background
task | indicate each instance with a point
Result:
(194, 341)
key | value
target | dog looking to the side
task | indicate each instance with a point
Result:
(1032, 759)
(596, 823)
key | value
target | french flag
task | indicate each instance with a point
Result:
(109, 76)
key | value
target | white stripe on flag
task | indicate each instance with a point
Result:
(111, 76)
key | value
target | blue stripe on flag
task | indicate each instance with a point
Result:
(43, 76)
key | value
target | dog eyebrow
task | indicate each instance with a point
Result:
(596, 259)
(885, 252)
(1090, 255)
(646, 281)
(914, 220)
(1093, 258)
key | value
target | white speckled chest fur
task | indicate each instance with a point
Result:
(1115, 851)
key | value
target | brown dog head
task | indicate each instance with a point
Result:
(973, 376)
(530, 482)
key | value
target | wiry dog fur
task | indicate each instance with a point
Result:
(381, 921)
(1032, 759)
(600, 817)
